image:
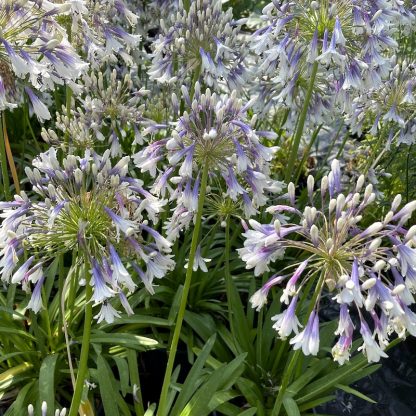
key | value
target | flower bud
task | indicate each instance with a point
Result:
(324, 185)
(369, 283)
(398, 289)
(277, 226)
(315, 235)
(368, 191)
(410, 234)
(360, 183)
(291, 192)
(310, 185)
(375, 244)
(332, 205)
(372, 229)
(388, 217)
(340, 223)
(379, 266)
(396, 202)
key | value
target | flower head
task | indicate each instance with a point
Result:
(392, 105)
(93, 209)
(341, 46)
(369, 268)
(214, 135)
(102, 114)
(102, 30)
(34, 52)
(202, 39)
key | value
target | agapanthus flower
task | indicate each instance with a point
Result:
(215, 134)
(103, 113)
(94, 210)
(150, 13)
(102, 31)
(34, 53)
(350, 42)
(204, 40)
(370, 268)
(391, 107)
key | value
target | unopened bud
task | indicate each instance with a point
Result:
(324, 185)
(356, 199)
(398, 289)
(410, 234)
(372, 229)
(310, 185)
(277, 226)
(388, 217)
(368, 191)
(369, 283)
(360, 183)
(291, 192)
(379, 266)
(332, 205)
(314, 235)
(396, 202)
(375, 244)
(340, 223)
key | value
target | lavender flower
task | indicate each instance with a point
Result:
(34, 52)
(93, 209)
(102, 114)
(371, 268)
(204, 40)
(214, 134)
(391, 106)
(350, 42)
(102, 31)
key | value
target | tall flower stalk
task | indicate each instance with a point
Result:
(85, 346)
(301, 124)
(162, 411)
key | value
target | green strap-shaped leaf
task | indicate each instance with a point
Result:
(350, 390)
(249, 412)
(220, 379)
(191, 384)
(308, 376)
(317, 402)
(326, 383)
(123, 371)
(104, 376)
(135, 342)
(290, 406)
(19, 406)
(47, 380)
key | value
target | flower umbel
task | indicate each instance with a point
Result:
(93, 209)
(371, 268)
(215, 134)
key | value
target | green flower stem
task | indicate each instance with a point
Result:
(83, 363)
(68, 93)
(135, 380)
(301, 123)
(162, 411)
(3, 160)
(228, 282)
(61, 282)
(295, 357)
